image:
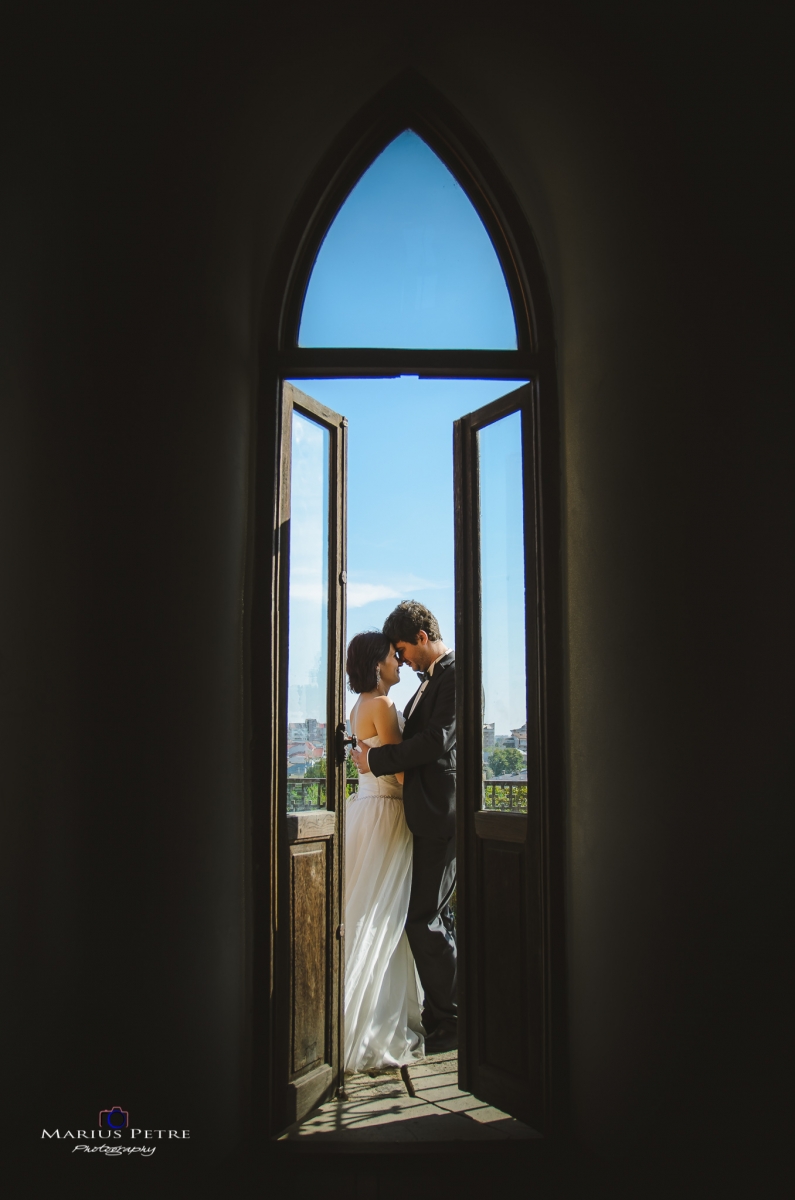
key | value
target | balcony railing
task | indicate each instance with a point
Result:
(505, 797)
(306, 795)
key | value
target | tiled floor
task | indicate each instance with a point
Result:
(379, 1108)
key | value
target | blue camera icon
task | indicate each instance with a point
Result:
(113, 1118)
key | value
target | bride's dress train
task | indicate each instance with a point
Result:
(383, 1017)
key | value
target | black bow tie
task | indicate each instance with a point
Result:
(423, 675)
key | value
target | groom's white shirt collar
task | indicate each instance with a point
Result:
(438, 658)
(425, 683)
(433, 664)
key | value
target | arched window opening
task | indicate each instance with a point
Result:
(407, 262)
(415, 379)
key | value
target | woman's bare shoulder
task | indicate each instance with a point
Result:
(374, 703)
(371, 711)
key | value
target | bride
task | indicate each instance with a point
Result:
(383, 1023)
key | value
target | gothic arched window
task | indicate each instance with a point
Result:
(373, 300)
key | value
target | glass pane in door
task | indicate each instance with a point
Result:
(503, 615)
(308, 733)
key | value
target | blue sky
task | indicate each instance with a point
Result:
(400, 508)
(407, 262)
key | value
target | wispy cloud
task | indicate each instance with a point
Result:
(360, 594)
(313, 591)
(303, 587)
(399, 587)
(413, 583)
(308, 585)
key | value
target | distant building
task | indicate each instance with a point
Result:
(488, 736)
(301, 755)
(316, 731)
(520, 737)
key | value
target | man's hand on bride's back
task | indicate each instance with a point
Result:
(359, 756)
(376, 712)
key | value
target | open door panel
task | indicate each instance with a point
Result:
(309, 958)
(500, 820)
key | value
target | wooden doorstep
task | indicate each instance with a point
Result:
(311, 826)
(501, 826)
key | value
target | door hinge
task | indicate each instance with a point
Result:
(340, 932)
(343, 577)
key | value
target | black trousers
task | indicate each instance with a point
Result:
(430, 924)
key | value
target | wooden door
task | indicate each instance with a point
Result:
(309, 956)
(500, 822)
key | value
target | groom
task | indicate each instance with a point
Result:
(427, 756)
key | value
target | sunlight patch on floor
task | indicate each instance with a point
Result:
(378, 1108)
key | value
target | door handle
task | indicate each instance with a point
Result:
(343, 741)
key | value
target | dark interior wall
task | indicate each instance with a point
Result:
(152, 163)
(127, 406)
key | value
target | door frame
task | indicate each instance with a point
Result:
(408, 102)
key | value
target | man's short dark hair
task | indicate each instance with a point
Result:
(405, 622)
(365, 652)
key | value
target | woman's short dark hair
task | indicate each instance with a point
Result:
(365, 652)
(405, 622)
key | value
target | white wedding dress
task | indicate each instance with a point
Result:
(383, 1015)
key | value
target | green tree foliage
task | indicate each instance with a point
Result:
(506, 761)
(317, 770)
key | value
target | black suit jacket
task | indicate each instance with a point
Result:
(427, 755)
